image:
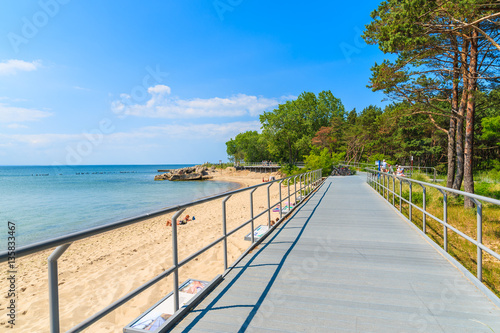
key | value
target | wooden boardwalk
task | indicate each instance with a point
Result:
(345, 262)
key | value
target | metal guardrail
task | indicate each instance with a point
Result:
(265, 164)
(308, 181)
(426, 170)
(257, 164)
(380, 182)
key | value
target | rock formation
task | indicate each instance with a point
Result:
(190, 173)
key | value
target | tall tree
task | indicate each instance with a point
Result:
(426, 36)
(291, 127)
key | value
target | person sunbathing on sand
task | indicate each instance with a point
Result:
(180, 222)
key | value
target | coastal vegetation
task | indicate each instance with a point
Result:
(443, 83)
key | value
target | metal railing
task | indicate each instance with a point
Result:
(381, 183)
(426, 170)
(266, 164)
(307, 181)
(257, 164)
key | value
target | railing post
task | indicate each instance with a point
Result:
(393, 190)
(400, 195)
(423, 208)
(479, 208)
(378, 183)
(295, 188)
(54, 287)
(300, 187)
(445, 220)
(251, 214)
(288, 185)
(386, 185)
(409, 207)
(308, 181)
(281, 202)
(224, 229)
(269, 206)
(175, 259)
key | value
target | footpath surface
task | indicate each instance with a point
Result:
(344, 262)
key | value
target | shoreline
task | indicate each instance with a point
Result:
(136, 254)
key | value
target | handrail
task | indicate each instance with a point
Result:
(364, 165)
(447, 189)
(265, 164)
(258, 164)
(312, 179)
(378, 180)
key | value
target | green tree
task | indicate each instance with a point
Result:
(291, 127)
(249, 146)
(438, 43)
(320, 160)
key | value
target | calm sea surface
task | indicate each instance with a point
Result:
(46, 202)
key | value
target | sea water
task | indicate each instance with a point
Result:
(45, 202)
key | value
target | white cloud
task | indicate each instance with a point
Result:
(13, 114)
(162, 105)
(187, 141)
(16, 126)
(12, 66)
(38, 140)
(81, 88)
(217, 132)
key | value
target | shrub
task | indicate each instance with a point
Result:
(417, 197)
(420, 177)
(487, 190)
(322, 161)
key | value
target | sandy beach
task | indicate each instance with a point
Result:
(97, 271)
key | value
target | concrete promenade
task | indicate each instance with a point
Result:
(344, 262)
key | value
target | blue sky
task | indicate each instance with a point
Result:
(161, 82)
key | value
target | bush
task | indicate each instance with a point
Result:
(442, 168)
(486, 190)
(417, 198)
(323, 161)
(491, 176)
(420, 177)
(290, 170)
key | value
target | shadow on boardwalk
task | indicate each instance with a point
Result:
(344, 262)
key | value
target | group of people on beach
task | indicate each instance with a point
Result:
(387, 168)
(186, 219)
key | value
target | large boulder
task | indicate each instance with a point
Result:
(198, 172)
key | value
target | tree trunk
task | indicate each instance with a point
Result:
(469, 126)
(453, 122)
(459, 138)
(451, 153)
